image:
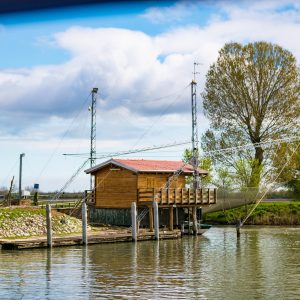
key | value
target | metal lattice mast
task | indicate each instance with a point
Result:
(195, 141)
(93, 133)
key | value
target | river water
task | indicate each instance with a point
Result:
(264, 263)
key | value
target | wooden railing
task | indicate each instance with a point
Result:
(89, 196)
(177, 196)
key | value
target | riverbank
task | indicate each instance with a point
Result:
(276, 213)
(25, 228)
(24, 222)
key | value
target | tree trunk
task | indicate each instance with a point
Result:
(256, 167)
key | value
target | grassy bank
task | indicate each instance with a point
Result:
(18, 222)
(279, 213)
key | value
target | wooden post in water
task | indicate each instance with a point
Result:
(189, 221)
(150, 218)
(156, 220)
(195, 225)
(84, 224)
(238, 227)
(49, 225)
(133, 222)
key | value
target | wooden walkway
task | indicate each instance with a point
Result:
(93, 238)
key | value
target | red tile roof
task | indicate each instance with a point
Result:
(143, 165)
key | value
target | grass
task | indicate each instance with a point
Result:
(277, 213)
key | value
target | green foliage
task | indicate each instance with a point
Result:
(225, 179)
(288, 155)
(187, 155)
(277, 213)
(247, 173)
(205, 163)
(251, 95)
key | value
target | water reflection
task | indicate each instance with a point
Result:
(48, 272)
(264, 263)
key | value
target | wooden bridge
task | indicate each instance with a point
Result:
(178, 197)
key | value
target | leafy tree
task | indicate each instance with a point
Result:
(224, 179)
(286, 162)
(205, 163)
(251, 95)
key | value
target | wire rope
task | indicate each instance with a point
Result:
(267, 189)
(62, 138)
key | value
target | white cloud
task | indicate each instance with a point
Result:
(173, 13)
(130, 68)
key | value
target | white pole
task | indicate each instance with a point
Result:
(133, 221)
(156, 220)
(84, 224)
(49, 225)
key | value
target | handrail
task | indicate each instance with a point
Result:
(167, 196)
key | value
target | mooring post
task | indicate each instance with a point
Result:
(189, 221)
(156, 220)
(84, 224)
(238, 227)
(195, 225)
(49, 225)
(133, 222)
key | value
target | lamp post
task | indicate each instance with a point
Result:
(20, 175)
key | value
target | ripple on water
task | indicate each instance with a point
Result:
(263, 264)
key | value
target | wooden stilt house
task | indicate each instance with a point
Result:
(119, 182)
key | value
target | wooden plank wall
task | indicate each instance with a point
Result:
(158, 181)
(115, 187)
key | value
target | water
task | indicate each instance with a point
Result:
(263, 264)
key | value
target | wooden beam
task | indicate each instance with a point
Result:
(156, 220)
(201, 195)
(175, 196)
(150, 218)
(171, 218)
(49, 225)
(208, 196)
(215, 195)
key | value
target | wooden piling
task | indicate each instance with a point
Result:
(171, 219)
(84, 224)
(49, 225)
(133, 222)
(156, 220)
(238, 227)
(150, 218)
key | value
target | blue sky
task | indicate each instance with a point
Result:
(28, 34)
(140, 55)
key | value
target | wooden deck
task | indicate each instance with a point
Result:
(180, 197)
(95, 238)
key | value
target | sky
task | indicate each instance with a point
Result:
(139, 55)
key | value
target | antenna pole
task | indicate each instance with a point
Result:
(93, 133)
(195, 141)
